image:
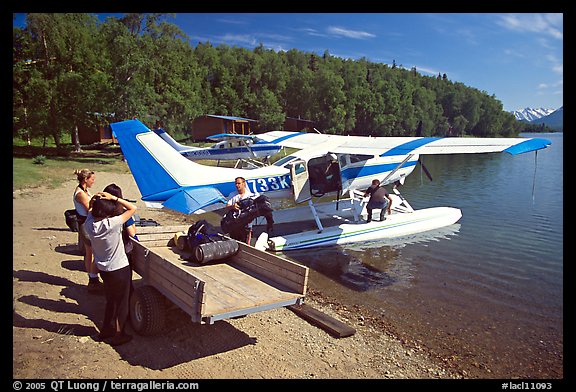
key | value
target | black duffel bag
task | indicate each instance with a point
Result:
(250, 209)
(71, 220)
(208, 244)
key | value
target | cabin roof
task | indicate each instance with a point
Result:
(232, 118)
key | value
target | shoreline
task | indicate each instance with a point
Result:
(54, 317)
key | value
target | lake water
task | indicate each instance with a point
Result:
(486, 292)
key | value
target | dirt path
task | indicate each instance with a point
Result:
(54, 318)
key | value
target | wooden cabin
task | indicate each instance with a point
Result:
(100, 134)
(297, 124)
(208, 125)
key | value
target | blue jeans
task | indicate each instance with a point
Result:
(375, 206)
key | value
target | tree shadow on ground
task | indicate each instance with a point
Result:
(181, 340)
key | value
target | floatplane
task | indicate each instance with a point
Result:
(244, 149)
(322, 165)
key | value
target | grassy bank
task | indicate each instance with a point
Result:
(58, 165)
(56, 170)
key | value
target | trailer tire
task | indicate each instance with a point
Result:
(147, 311)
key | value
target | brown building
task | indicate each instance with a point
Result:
(205, 126)
(90, 135)
(297, 124)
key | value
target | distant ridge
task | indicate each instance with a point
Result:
(554, 120)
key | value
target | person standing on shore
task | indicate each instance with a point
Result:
(104, 227)
(81, 199)
(128, 229)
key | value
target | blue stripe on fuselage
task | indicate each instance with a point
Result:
(372, 170)
(266, 185)
(281, 139)
(235, 150)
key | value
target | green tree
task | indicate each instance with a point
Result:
(67, 66)
(299, 91)
(268, 111)
(128, 66)
(63, 84)
(328, 105)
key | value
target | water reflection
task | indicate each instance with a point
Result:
(368, 265)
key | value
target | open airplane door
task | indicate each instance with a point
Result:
(300, 181)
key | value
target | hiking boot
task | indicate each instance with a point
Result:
(95, 286)
(120, 339)
(105, 334)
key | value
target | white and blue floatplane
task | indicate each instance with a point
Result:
(322, 165)
(246, 149)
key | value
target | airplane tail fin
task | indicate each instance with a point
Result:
(164, 177)
(149, 175)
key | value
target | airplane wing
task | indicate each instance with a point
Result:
(389, 146)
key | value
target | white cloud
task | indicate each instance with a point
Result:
(350, 33)
(550, 86)
(239, 38)
(232, 21)
(549, 24)
(312, 32)
(558, 68)
(427, 70)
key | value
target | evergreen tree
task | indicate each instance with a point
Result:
(66, 66)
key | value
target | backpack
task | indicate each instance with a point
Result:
(71, 220)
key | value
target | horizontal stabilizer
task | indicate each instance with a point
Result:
(171, 141)
(189, 201)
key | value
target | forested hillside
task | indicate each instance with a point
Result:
(67, 67)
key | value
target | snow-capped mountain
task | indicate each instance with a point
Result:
(531, 114)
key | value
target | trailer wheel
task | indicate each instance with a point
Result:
(147, 311)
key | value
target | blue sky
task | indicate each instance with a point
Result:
(516, 57)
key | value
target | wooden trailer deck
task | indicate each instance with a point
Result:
(249, 281)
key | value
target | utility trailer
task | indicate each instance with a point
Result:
(249, 281)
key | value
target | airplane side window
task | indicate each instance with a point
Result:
(359, 158)
(343, 161)
(299, 168)
(284, 160)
